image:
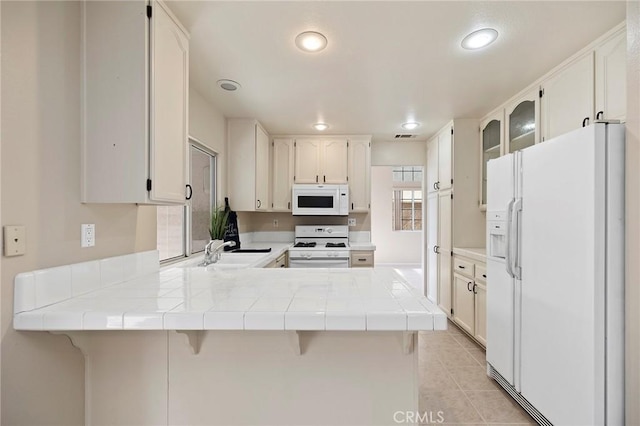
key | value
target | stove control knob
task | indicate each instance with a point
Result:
(329, 230)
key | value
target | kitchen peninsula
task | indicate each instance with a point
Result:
(192, 345)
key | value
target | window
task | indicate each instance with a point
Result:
(184, 230)
(407, 174)
(407, 209)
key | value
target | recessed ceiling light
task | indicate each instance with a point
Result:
(311, 41)
(321, 126)
(228, 85)
(480, 38)
(410, 125)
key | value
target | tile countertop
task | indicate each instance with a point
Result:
(478, 254)
(180, 297)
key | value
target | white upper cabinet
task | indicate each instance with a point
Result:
(248, 165)
(307, 160)
(491, 140)
(282, 173)
(135, 62)
(262, 169)
(333, 161)
(522, 122)
(440, 161)
(321, 160)
(359, 173)
(432, 165)
(611, 75)
(568, 97)
(445, 159)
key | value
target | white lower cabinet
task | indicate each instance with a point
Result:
(362, 258)
(463, 300)
(469, 297)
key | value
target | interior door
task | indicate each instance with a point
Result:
(444, 252)
(432, 243)
(562, 257)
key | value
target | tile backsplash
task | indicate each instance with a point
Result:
(263, 221)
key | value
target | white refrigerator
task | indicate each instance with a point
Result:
(555, 276)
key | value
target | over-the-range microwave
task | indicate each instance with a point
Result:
(320, 200)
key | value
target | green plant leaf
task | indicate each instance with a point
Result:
(219, 218)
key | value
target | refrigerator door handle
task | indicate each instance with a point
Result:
(509, 243)
(514, 237)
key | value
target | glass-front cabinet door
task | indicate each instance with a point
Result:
(491, 131)
(523, 123)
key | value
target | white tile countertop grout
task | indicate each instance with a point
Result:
(179, 297)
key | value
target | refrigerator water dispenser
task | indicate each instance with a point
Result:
(497, 239)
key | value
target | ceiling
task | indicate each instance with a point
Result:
(387, 62)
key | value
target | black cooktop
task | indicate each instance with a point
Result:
(305, 245)
(335, 245)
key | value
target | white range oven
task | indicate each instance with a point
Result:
(320, 246)
(320, 200)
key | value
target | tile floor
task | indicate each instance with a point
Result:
(453, 380)
(453, 376)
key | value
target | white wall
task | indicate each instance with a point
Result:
(632, 296)
(391, 246)
(43, 374)
(208, 126)
(395, 153)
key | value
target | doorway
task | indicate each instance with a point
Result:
(397, 220)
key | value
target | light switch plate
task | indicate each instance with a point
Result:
(15, 240)
(88, 235)
(352, 222)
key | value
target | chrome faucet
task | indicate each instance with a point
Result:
(212, 254)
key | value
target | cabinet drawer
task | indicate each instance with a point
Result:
(281, 262)
(463, 267)
(361, 259)
(481, 274)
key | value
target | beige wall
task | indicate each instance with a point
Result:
(396, 153)
(391, 246)
(208, 126)
(42, 374)
(632, 372)
(263, 221)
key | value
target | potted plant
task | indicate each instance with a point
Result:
(219, 218)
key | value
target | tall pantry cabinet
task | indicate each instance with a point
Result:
(135, 88)
(453, 216)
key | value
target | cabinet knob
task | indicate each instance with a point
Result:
(316, 178)
(190, 192)
(436, 249)
(599, 115)
(259, 204)
(585, 122)
(461, 267)
(474, 288)
(289, 205)
(469, 286)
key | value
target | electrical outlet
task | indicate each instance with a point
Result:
(352, 221)
(275, 223)
(15, 241)
(88, 238)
